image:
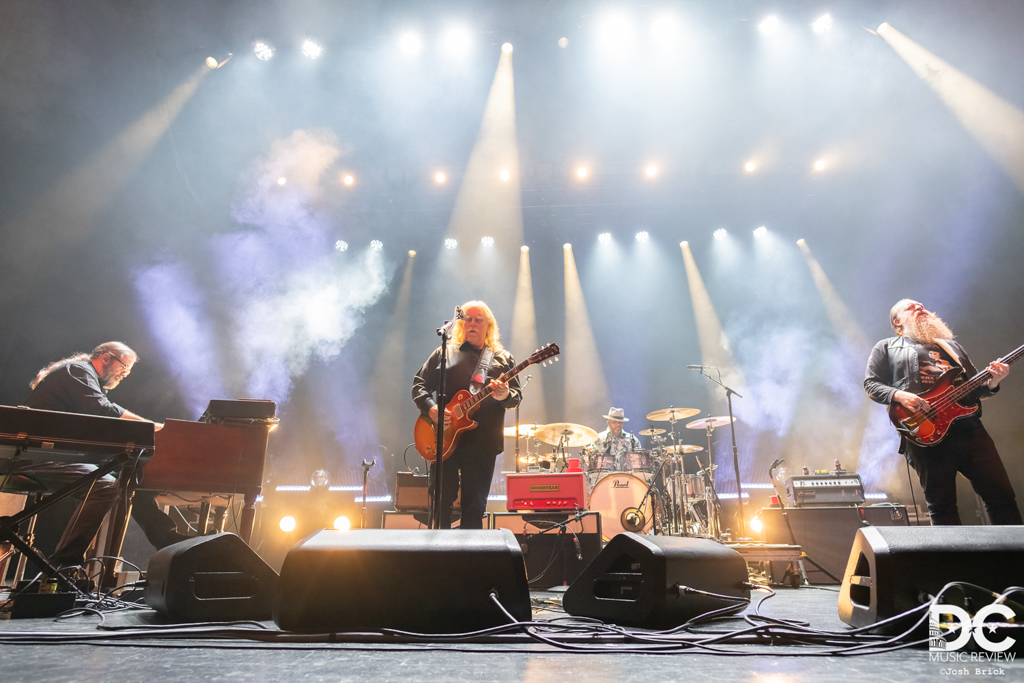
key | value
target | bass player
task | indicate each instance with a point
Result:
(901, 369)
(475, 358)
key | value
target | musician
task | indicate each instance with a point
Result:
(79, 384)
(475, 359)
(909, 364)
(615, 441)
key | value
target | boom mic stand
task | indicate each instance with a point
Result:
(435, 505)
(735, 456)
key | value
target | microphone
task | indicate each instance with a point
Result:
(459, 315)
(694, 367)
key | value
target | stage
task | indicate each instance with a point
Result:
(148, 656)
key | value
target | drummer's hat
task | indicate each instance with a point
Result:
(616, 415)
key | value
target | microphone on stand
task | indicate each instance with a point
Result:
(700, 367)
(459, 315)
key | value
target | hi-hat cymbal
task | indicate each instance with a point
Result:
(683, 448)
(672, 414)
(568, 433)
(524, 430)
(651, 432)
(712, 422)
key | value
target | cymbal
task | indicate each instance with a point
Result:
(651, 432)
(712, 422)
(672, 414)
(524, 430)
(683, 448)
(528, 459)
(569, 433)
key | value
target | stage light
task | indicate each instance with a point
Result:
(505, 175)
(376, 245)
(451, 243)
(822, 24)
(524, 248)
(287, 523)
(750, 167)
(684, 244)
(801, 242)
(487, 241)
(341, 245)
(665, 31)
(819, 165)
(567, 246)
(211, 62)
(282, 180)
(456, 41)
(312, 49)
(721, 234)
(756, 525)
(882, 28)
(506, 48)
(563, 42)
(410, 43)
(760, 232)
(411, 253)
(615, 34)
(769, 25)
(439, 178)
(604, 238)
(652, 171)
(262, 50)
(342, 523)
(348, 180)
(581, 172)
(642, 236)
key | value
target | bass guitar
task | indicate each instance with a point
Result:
(945, 405)
(461, 408)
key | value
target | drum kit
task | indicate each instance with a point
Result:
(666, 489)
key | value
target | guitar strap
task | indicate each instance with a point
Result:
(949, 349)
(479, 378)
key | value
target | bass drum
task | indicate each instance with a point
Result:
(617, 497)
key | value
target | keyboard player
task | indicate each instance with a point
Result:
(79, 384)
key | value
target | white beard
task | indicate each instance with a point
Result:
(927, 329)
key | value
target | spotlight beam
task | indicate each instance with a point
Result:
(586, 390)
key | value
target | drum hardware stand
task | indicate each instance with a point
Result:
(522, 395)
(735, 454)
(444, 331)
(367, 466)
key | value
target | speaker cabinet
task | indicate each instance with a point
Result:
(553, 558)
(889, 568)
(825, 534)
(210, 578)
(430, 581)
(636, 581)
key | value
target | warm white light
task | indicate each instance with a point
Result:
(348, 180)
(456, 41)
(211, 62)
(376, 245)
(282, 180)
(642, 236)
(756, 525)
(505, 175)
(410, 43)
(819, 165)
(506, 48)
(581, 172)
(451, 243)
(769, 25)
(652, 171)
(822, 24)
(567, 246)
(341, 245)
(524, 248)
(262, 50)
(342, 523)
(883, 27)
(487, 241)
(801, 242)
(563, 42)
(760, 232)
(604, 237)
(287, 523)
(312, 49)
(615, 34)
(411, 253)
(720, 234)
(684, 243)
(665, 31)
(439, 177)
(750, 167)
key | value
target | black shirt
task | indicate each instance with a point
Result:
(74, 388)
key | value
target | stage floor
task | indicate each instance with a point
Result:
(196, 658)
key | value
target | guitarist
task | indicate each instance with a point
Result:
(908, 364)
(473, 341)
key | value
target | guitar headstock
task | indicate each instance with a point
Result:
(544, 354)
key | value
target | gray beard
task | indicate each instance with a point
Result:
(927, 330)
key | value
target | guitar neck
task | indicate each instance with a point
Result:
(984, 376)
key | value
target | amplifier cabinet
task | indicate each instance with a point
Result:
(553, 550)
(418, 520)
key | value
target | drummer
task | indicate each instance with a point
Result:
(615, 441)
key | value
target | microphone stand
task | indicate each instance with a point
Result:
(735, 456)
(435, 505)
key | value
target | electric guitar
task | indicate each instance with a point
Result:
(461, 408)
(928, 427)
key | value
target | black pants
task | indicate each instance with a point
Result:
(475, 472)
(967, 449)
